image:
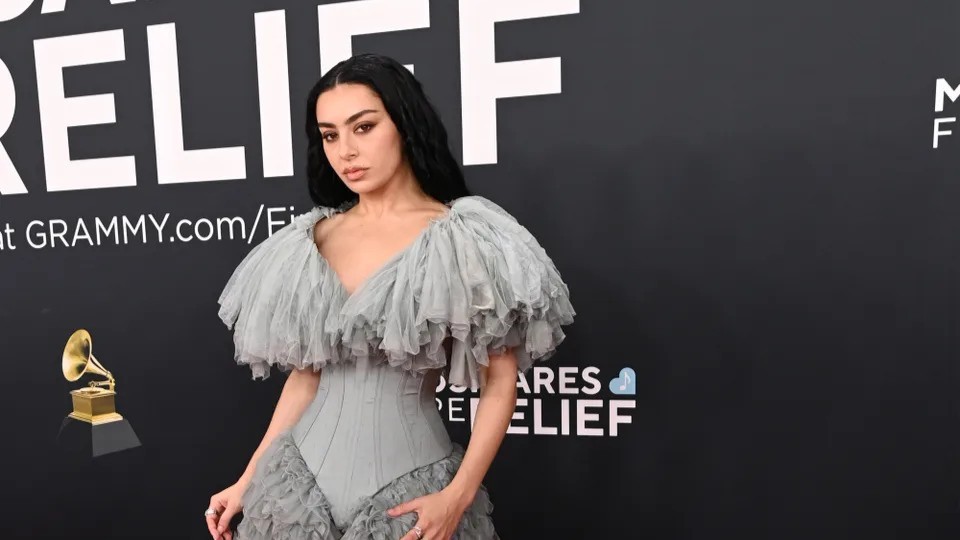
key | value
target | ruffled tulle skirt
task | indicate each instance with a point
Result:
(284, 502)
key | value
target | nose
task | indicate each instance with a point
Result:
(348, 150)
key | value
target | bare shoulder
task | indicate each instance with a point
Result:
(323, 229)
(434, 210)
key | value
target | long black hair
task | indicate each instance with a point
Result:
(424, 136)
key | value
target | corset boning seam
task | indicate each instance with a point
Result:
(404, 424)
(420, 397)
(336, 426)
(357, 426)
(377, 450)
(323, 401)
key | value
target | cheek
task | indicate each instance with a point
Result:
(389, 145)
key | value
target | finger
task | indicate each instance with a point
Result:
(228, 535)
(412, 533)
(404, 508)
(212, 526)
(212, 520)
(217, 504)
(224, 523)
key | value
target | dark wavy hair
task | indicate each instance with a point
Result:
(424, 136)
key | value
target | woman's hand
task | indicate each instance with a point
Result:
(227, 503)
(438, 514)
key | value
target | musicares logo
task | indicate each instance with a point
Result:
(562, 411)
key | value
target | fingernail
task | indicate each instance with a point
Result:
(220, 528)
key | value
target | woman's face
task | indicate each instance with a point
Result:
(360, 140)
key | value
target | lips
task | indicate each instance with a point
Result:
(354, 173)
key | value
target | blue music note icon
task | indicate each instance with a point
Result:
(625, 384)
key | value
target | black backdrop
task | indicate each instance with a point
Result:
(743, 196)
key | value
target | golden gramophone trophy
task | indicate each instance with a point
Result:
(94, 417)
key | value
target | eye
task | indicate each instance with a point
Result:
(326, 136)
(365, 127)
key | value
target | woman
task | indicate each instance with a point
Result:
(398, 275)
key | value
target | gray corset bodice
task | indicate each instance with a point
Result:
(368, 424)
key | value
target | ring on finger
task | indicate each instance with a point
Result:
(418, 531)
(210, 512)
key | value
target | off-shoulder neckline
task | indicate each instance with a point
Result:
(328, 211)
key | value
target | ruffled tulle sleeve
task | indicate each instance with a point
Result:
(482, 279)
(276, 300)
(514, 294)
(475, 278)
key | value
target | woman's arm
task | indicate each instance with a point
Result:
(298, 392)
(439, 513)
(498, 400)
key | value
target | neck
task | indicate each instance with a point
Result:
(401, 193)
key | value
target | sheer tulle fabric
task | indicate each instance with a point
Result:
(474, 274)
(285, 503)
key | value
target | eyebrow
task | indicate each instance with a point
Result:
(349, 120)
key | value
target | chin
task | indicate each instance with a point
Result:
(362, 186)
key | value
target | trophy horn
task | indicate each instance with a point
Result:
(78, 359)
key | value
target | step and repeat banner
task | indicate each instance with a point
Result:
(753, 204)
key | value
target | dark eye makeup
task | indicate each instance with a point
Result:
(367, 126)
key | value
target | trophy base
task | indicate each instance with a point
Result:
(82, 438)
(96, 420)
(94, 405)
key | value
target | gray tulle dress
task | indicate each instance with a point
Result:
(473, 283)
